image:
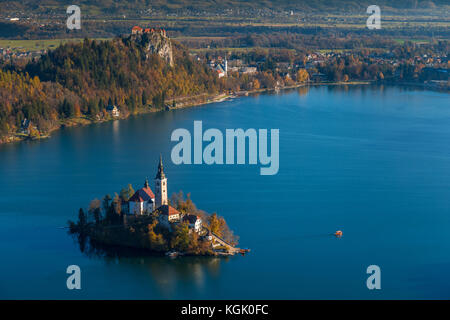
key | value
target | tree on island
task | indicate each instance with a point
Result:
(156, 240)
(97, 216)
(180, 237)
(116, 228)
(216, 223)
(185, 206)
(117, 204)
(94, 210)
(82, 219)
(106, 201)
(127, 193)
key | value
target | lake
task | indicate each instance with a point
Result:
(371, 161)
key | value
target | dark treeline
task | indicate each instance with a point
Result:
(305, 43)
(222, 27)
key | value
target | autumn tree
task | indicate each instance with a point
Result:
(302, 75)
(127, 193)
(180, 238)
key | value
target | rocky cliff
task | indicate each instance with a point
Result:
(156, 42)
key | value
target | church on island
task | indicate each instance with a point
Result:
(144, 202)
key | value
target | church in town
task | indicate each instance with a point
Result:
(144, 202)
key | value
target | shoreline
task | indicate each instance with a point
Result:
(124, 249)
(194, 101)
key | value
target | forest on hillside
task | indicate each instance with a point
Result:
(81, 79)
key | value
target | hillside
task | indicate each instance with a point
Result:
(80, 80)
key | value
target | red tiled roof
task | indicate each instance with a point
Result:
(143, 194)
(168, 210)
(137, 28)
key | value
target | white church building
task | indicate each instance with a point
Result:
(144, 201)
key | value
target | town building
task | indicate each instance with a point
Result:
(113, 111)
(25, 126)
(136, 30)
(168, 215)
(221, 67)
(139, 30)
(195, 222)
(249, 70)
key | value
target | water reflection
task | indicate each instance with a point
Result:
(303, 91)
(115, 125)
(165, 274)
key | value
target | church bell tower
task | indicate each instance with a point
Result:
(160, 185)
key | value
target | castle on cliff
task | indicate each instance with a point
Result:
(139, 30)
(155, 41)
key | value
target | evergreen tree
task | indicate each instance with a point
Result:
(106, 201)
(144, 98)
(82, 220)
(97, 216)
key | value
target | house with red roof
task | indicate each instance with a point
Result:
(139, 30)
(143, 201)
(168, 215)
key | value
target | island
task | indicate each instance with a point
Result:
(149, 221)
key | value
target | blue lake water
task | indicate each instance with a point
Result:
(373, 162)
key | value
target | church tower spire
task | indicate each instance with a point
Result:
(160, 173)
(160, 185)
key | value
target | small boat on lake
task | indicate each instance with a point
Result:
(172, 254)
(244, 251)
